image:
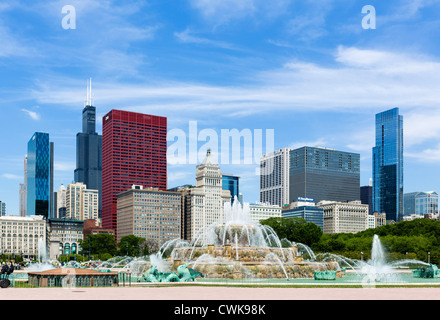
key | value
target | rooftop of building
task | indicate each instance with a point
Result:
(141, 189)
(19, 218)
(264, 204)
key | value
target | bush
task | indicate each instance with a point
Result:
(71, 257)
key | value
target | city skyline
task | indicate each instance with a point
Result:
(225, 65)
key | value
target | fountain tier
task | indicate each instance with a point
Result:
(238, 248)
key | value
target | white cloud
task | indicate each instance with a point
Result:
(11, 176)
(421, 126)
(428, 155)
(358, 80)
(187, 36)
(32, 114)
(11, 46)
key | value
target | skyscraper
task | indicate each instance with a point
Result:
(274, 177)
(61, 202)
(81, 203)
(231, 183)
(324, 174)
(203, 205)
(23, 192)
(367, 197)
(134, 151)
(39, 168)
(388, 165)
(89, 150)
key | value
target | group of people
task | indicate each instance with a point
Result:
(7, 269)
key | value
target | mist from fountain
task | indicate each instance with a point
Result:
(376, 269)
(42, 264)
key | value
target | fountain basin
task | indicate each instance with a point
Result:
(229, 262)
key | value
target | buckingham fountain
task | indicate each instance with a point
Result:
(238, 248)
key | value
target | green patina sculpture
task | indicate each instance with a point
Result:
(430, 271)
(325, 275)
(184, 274)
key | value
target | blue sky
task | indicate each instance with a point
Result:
(306, 69)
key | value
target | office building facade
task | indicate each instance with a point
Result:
(388, 165)
(262, 211)
(39, 175)
(61, 202)
(134, 151)
(324, 174)
(274, 177)
(81, 203)
(344, 217)
(150, 213)
(64, 237)
(22, 235)
(420, 203)
(305, 209)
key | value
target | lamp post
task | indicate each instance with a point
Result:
(362, 256)
(429, 257)
(89, 247)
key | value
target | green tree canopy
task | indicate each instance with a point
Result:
(132, 246)
(102, 243)
(294, 229)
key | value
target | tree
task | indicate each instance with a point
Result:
(99, 244)
(294, 229)
(131, 246)
(307, 233)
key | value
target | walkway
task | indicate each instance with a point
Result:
(220, 293)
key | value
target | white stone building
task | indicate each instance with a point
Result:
(261, 211)
(203, 204)
(344, 217)
(24, 236)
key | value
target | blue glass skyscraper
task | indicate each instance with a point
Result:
(39, 167)
(388, 165)
(231, 183)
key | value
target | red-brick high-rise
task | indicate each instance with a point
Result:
(134, 151)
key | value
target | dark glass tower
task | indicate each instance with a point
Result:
(39, 175)
(367, 197)
(89, 153)
(324, 174)
(388, 165)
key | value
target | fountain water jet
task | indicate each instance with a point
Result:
(236, 248)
